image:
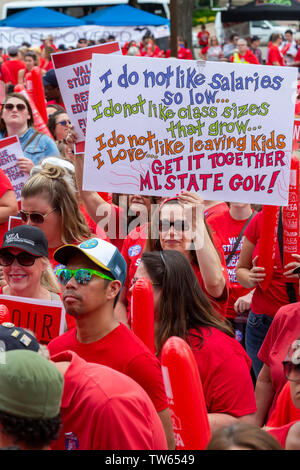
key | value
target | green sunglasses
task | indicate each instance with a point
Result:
(82, 276)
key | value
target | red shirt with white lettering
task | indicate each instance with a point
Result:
(274, 55)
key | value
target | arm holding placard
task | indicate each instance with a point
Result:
(207, 255)
(97, 208)
(8, 206)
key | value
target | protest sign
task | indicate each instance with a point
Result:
(14, 222)
(158, 126)
(44, 317)
(10, 151)
(73, 71)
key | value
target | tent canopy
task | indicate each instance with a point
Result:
(263, 10)
(124, 15)
(40, 17)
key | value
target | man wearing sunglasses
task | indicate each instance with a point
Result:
(91, 282)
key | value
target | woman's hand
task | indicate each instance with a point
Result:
(256, 273)
(289, 268)
(242, 304)
(194, 215)
(25, 164)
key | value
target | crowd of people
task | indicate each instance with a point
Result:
(98, 384)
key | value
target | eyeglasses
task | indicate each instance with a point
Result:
(35, 217)
(179, 225)
(291, 371)
(63, 123)
(82, 276)
(134, 279)
(23, 258)
(10, 106)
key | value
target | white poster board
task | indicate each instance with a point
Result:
(10, 151)
(73, 71)
(158, 126)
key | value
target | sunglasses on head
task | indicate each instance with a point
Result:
(291, 371)
(63, 123)
(10, 106)
(82, 276)
(179, 225)
(35, 217)
(23, 258)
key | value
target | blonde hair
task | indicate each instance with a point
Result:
(50, 184)
(48, 279)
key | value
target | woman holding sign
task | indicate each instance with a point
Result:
(16, 118)
(182, 309)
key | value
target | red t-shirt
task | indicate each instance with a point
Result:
(275, 296)
(121, 350)
(183, 53)
(285, 411)
(281, 433)
(228, 229)
(247, 58)
(132, 250)
(203, 37)
(284, 329)
(5, 185)
(13, 66)
(219, 208)
(224, 369)
(274, 55)
(102, 409)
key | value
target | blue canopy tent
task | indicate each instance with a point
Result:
(124, 15)
(41, 17)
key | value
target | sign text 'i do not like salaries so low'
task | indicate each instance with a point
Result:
(160, 126)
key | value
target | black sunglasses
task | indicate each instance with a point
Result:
(179, 225)
(291, 370)
(19, 106)
(23, 258)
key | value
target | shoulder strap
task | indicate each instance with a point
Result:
(31, 139)
(229, 257)
(289, 285)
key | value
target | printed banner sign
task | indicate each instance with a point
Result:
(69, 36)
(159, 126)
(10, 151)
(44, 317)
(73, 72)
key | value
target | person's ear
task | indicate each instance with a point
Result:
(113, 289)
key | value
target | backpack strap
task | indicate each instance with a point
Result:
(237, 242)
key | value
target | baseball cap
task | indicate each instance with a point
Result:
(101, 252)
(28, 238)
(30, 385)
(50, 78)
(13, 337)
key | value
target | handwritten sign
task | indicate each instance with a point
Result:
(158, 126)
(10, 151)
(73, 72)
(44, 317)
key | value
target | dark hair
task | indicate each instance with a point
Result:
(22, 98)
(183, 304)
(289, 31)
(35, 433)
(32, 55)
(244, 435)
(51, 123)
